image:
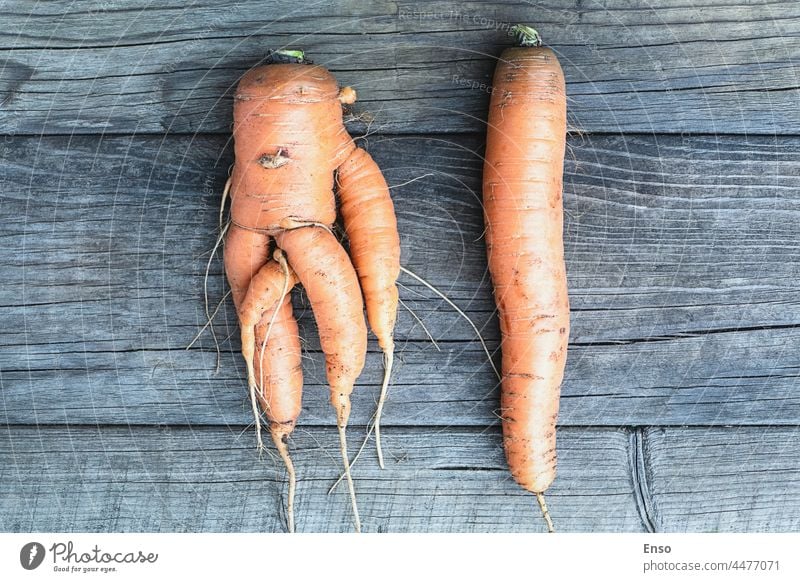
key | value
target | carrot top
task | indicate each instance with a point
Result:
(525, 35)
(284, 56)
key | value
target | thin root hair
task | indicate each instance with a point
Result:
(545, 512)
(425, 329)
(213, 315)
(461, 313)
(411, 181)
(357, 455)
(410, 290)
(209, 318)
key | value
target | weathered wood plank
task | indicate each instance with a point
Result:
(106, 66)
(711, 222)
(740, 479)
(743, 379)
(451, 480)
(179, 479)
(682, 256)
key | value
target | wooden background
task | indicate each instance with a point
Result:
(681, 403)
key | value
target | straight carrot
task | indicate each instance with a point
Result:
(522, 194)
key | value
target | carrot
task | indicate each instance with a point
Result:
(265, 295)
(522, 194)
(274, 375)
(371, 227)
(279, 373)
(289, 141)
(325, 271)
(245, 252)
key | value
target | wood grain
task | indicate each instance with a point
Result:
(210, 479)
(682, 256)
(111, 67)
(680, 405)
(449, 480)
(739, 479)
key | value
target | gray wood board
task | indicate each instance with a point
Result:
(739, 479)
(682, 255)
(455, 480)
(113, 67)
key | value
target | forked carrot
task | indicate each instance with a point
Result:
(289, 141)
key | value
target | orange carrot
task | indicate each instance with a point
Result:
(371, 227)
(279, 375)
(289, 141)
(245, 252)
(265, 294)
(278, 369)
(274, 374)
(522, 193)
(326, 273)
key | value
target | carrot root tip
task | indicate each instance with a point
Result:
(388, 360)
(342, 404)
(280, 436)
(350, 485)
(545, 512)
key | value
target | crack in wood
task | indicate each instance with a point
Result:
(638, 466)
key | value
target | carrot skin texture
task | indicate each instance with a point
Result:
(288, 140)
(371, 226)
(245, 252)
(264, 291)
(326, 273)
(279, 373)
(275, 375)
(265, 304)
(523, 207)
(262, 299)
